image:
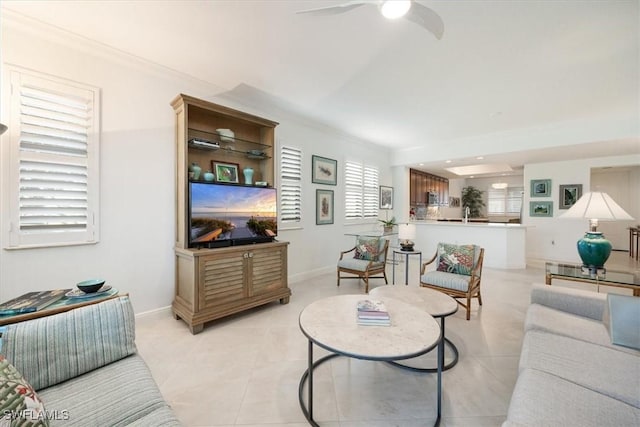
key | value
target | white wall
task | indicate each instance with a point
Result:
(553, 238)
(135, 252)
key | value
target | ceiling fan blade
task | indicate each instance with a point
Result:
(335, 10)
(426, 18)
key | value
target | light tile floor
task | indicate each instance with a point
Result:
(245, 369)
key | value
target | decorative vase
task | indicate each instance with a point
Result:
(208, 176)
(195, 169)
(594, 249)
(248, 176)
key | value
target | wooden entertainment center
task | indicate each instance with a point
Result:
(213, 283)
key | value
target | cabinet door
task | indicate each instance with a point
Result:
(222, 279)
(268, 270)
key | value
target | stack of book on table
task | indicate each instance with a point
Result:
(32, 301)
(373, 312)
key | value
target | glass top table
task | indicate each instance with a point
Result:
(605, 277)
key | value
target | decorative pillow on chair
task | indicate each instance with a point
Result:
(367, 248)
(19, 403)
(456, 259)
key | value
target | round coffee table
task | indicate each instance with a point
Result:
(331, 323)
(431, 301)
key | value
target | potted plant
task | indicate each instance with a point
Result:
(472, 199)
(388, 224)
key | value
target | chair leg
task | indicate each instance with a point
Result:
(338, 271)
(468, 307)
(384, 273)
(366, 283)
(479, 297)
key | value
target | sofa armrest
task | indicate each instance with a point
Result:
(53, 349)
(575, 301)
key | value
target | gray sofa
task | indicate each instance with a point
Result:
(84, 367)
(570, 372)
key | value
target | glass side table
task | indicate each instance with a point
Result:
(604, 277)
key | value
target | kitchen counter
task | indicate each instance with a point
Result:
(504, 243)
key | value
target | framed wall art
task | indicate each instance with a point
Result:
(324, 207)
(541, 209)
(226, 172)
(569, 194)
(324, 171)
(540, 187)
(386, 197)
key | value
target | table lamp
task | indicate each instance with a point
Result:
(406, 234)
(594, 249)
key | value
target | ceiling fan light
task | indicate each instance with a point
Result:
(393, 9)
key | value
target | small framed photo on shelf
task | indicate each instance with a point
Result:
(324, 207)
(540, 187)
(541, 209)
(386, 197)
(569, 194)
(324, 171)
(226, 172)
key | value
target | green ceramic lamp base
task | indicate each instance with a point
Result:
(594, 249)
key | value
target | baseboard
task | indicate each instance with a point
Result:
(166, 309)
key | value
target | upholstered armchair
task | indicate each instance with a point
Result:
(370, 258)
(457, 274)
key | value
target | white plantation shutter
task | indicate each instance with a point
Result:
(371, 192)
(290, 184)
(54, 133)
(506, 201)
(361, 191)
(353, 201)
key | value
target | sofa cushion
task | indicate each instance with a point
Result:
(121, 393)
(576, 301)
(601, 369)
(457, 259)
(541, 399)
(19, 399)
(458, 282)
(542, 318)
(72, 343)
(367, 248)
(357, 264)
(622, 319)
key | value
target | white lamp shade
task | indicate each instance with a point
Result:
(596, 205)
(406, 231)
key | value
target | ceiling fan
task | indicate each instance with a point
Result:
(391, 9)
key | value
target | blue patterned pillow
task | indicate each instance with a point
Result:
(19, 399)
(367, 248)
(457, 259)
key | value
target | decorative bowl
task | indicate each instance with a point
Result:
(225, 134)
(90, 286)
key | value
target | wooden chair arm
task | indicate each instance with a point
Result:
(477, 270)
(424, 265)
(346, 252)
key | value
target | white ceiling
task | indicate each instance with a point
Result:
(501, 66)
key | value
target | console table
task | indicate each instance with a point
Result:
(60, 306)
(608, 277)
(330, 323)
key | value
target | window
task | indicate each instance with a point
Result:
(505, 201)
(361, 191)
(54, 143)
(290, 185)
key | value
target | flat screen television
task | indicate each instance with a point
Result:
(228, 215)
